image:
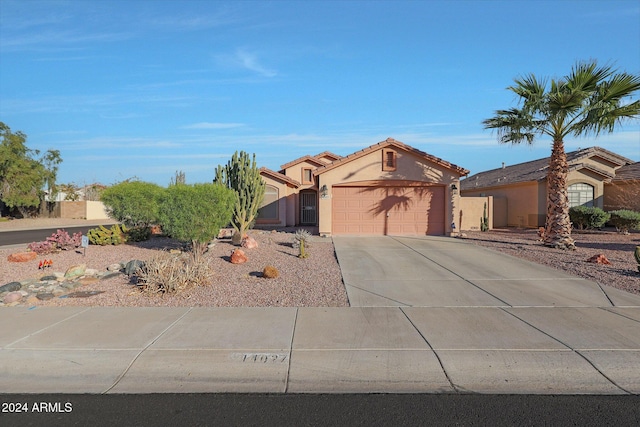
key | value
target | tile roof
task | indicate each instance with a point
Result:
(307, 158)
(628, 172)
(327, 154)
(536, 170)
(279, 176)
(386, 143)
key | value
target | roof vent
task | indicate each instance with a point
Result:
(502, 165)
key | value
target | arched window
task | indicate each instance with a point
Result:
(269, 208)
(580, 194)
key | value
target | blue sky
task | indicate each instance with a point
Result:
(144, 88)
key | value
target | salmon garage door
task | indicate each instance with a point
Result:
(388, 210)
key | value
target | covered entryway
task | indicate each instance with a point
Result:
(389, 209)
(308, 207)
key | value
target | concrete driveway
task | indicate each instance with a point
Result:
(444, 272)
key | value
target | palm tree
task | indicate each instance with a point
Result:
(589, 101)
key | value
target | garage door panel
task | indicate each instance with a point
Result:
(388, 210)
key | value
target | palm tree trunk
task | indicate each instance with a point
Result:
(558, 224)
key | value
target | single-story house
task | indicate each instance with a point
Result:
(387, 188)
(520, 191)
(623, 191)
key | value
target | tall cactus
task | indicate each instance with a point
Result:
(242, 175)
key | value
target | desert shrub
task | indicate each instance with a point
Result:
(170, 273)
(270, 272)
(588, 217)
(139, 234)
(103, 236)
(301, 241)
(195, 212)
(134, 203)
(625, 220)
(60, 240)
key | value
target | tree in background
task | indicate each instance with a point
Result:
(133, 203)
(179, 178)
(195, 212)
(25, 178)
(589, 101)
(241, 174)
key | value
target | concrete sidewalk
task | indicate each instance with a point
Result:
(433, 316)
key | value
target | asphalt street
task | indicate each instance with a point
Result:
(27, 236)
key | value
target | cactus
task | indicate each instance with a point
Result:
(636, 254)
(484, 221)
(105, 236)
(301, 241)
(242, 175)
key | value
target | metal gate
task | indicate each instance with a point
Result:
(308, 209)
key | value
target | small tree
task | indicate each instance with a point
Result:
(195, 212)
(23, 175)
(241, 174)
(134, 203)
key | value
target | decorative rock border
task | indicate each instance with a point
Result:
(54, 285)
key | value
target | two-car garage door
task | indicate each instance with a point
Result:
(388, 210)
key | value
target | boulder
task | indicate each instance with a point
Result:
(44, 296)
(238, 257)
(75, 271)
(249, 243)
(12, 297)
(132, 266)
(22, 257)
(599, 259)
(10, 287)
(114, 267)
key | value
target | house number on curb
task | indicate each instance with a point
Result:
(261, 357)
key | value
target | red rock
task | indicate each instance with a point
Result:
(249, 243)
(599, 259)
(22, 257)
(238, 257)
(12, 297)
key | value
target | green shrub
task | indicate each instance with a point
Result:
(103, 236)
(134, 203)
(195, 212)
(139, 234)
(588, 217)
(625, 220)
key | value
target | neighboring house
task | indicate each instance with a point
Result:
(623, 192)
(520, 191)
(387, 188)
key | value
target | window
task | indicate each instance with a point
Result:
(307, 176)
(269, 208)
(580, 194)
(388, 160)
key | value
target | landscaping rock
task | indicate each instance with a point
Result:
(91, 272)
(49, 277)
(44, 296)
(88, 281)
(599, 259)
(238, 257)
(75, 271)
(12, 297)
(10, 287)
(114, 267)
(109, 275)
(132, 266)
(249, 243)
(22, 257)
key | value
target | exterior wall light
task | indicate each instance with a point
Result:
(454, 189)
(324, 191)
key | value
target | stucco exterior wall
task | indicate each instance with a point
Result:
(622, 195)
(286, 205)
(96, 210)
(522, 202)
(369, 168)
(472, 210)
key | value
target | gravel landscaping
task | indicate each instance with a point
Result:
(618, 248)
(315, 281)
